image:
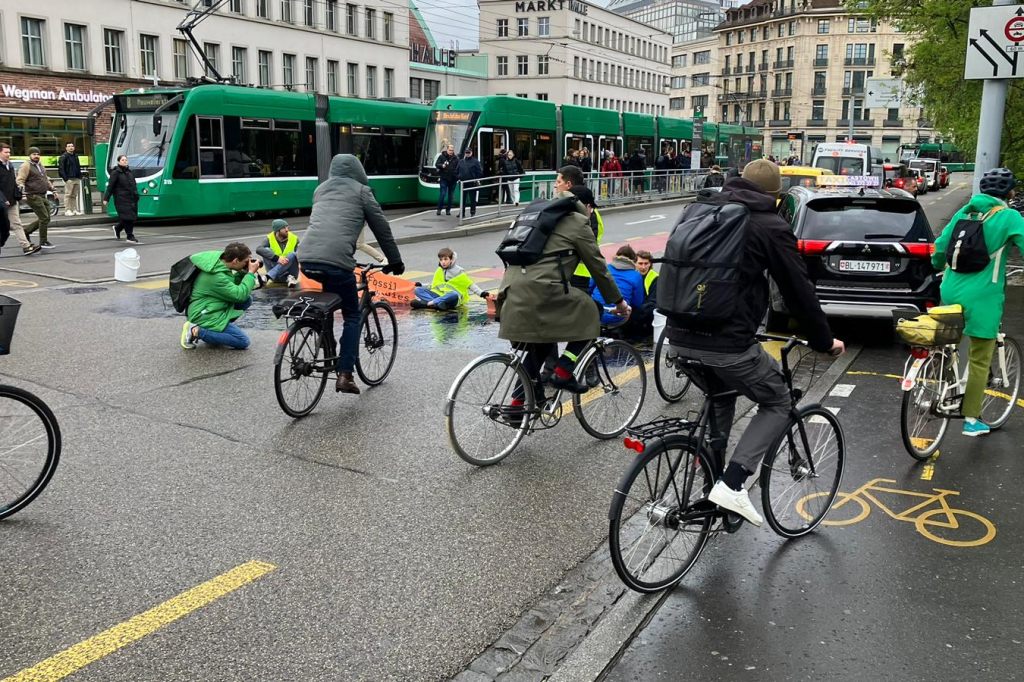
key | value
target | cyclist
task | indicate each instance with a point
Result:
(341, 204)
(537, 305)
(730, 353)
(982, 293)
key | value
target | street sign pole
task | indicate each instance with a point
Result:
(990, 124)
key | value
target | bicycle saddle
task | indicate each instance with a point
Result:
(316, 304)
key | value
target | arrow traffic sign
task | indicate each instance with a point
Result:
(883, 93)
(995, 39)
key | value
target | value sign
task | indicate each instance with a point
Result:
(995, 39)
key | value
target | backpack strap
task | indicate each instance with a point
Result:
(992, 212)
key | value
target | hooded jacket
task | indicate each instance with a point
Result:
(770, 246)
(630, 284)
(341, 204)
(216, 291)
(982, 294)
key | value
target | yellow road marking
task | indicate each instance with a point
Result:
(151, 284)
(415, 274)
(620, 378)
(72, 660)
(988, 391)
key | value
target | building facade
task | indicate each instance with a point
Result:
(571, 52)
(684, 20)
(58, 61)
(435, 70)
(695, 80)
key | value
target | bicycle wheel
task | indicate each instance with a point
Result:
(300, 374)
(616, 371)
(29, 448)
(488, 410)
(1003, 385)
(801, 473)
(670, 381)
(660, 520)
(378, 331)
(921, 426)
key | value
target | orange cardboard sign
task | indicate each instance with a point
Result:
(389, 287)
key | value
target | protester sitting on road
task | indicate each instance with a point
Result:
(220, 295)
(278, 253)
(341, 204)
(645, 316)
(450, 286)
(630, 284)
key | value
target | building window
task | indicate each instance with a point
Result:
(892, 115)
(699, 102)
(678, 81)
(112, 42)
(371, 23)
(352, 77)
(389, 27)
(542, 64)
(288, 71)
(147, 55)
(780, 30)
(823, 26)
(700, 79)
(861, 25)
(371, 81)
(728, 38)
(702, 57)
(522, 95)
(522, 65)
(74, 46)
(416, 88)
(502, 66)
(431, 89)
(32, 42)
(212, 52)
(389, 82)
(312, 66)
(263, 9)
(235, 6)
(542, 96)
(677, 103)
(332, 77)
(180, 48)
(286, 11)
(821, 52)
(544, 30)
(331, 15)
(308, 16)
(350, 20)
(792, 28)
(265, 66)
(239, 56)
(524, 26)
(503, 28)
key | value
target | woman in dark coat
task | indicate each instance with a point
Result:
(121, 186)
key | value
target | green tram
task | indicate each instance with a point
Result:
(948, 154)
(222, 149)
(542, 134)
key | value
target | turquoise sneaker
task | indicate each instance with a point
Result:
(978, 428)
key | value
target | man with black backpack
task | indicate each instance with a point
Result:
(972, 250)
(714, 292)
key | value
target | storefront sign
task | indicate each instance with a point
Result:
(59, 95)
(577, 6)
(424, 54)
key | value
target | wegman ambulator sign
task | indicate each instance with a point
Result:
(59, 95)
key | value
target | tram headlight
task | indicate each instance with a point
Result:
(152, 184)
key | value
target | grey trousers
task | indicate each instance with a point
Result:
(756, 375)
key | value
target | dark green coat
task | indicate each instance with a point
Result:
(533, 302)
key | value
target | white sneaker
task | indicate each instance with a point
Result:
(293, 281)
(735, 501)
(69, 213)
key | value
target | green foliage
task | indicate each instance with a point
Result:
(934, 61)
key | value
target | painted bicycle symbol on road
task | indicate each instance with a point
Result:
(942, 523)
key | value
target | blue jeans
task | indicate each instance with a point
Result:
(441, 301)
(447, 191)
(232, 336)
(341, 282)
(279, 273)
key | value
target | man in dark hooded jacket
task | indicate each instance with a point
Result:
(341, 204)
(733, 358)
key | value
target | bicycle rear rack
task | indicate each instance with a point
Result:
(664, 426)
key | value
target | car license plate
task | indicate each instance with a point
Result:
(865, 266)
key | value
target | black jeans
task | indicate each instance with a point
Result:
(126, 226)
(341, 282)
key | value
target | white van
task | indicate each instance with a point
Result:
(844, 158)
(929, 168)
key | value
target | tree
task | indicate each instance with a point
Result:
(933, 66)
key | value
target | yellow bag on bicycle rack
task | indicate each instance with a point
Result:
(940, 326)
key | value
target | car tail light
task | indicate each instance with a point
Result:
(920, 249)
(928, 305)
(899, 183)
(918, 353)
(812, 247)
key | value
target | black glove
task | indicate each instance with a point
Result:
(485, 295)
(417, 284)
(396, 268)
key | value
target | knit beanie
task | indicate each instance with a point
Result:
(765, 175)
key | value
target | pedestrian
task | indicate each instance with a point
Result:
(34, 184)
(341, 205)
(447, 166)
(221, 294)
(470, 171)
(11, 194)
(586, 163)
(636, 165)
(714, 178)
(70, 170)
(449, 288)
(612, 169)
(278, 253)
(122, 187)
(662, 165)
(510, 169)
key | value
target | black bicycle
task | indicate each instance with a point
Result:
(306, 351)
(660, 519)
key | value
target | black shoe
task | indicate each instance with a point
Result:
(131, 240)
(438, 211)
(31, 249)
(447, 212)
(569, 384)
(472, 213)
(417, 304)
(346, 384)
(46, 245)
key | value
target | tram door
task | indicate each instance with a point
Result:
(490, 142)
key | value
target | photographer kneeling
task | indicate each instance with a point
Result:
(220, 294)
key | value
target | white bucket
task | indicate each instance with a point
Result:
(126, 265)
(659, 326)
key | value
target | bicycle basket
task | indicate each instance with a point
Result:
(8, 318)
(938, 327)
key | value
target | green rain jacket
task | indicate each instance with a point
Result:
(216, 291)
(981, 294)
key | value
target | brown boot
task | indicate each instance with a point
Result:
(346, 384)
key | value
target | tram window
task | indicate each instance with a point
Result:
(267, 147)
(521, 146)
(543, 157)
(383, 151)
(186, 165)
(211, 147)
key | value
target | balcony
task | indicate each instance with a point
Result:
(758, 124)
(779, 123)
(784, 92)
(757, 94)
(821, 62)
(857, 123)
(859, 61)
(818, 91)
(892, 123)
(784, 64)
(750, 68)
(817, 123)
(763, 66)
(853, 90)
(725, 71)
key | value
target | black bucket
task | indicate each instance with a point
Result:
(8, 317)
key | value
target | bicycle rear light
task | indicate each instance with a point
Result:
(632, 444)
(918, 352)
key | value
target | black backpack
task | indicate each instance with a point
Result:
(182, 277)
(700, 278)
(967, 251)
(524, 242)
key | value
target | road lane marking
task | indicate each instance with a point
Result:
(988, 391)
(652, 219)
(842, 390)
(151, 284)
(72, 660)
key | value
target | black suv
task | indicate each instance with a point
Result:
(868, 251)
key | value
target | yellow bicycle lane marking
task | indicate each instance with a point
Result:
(75, 658)
(995, 394)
